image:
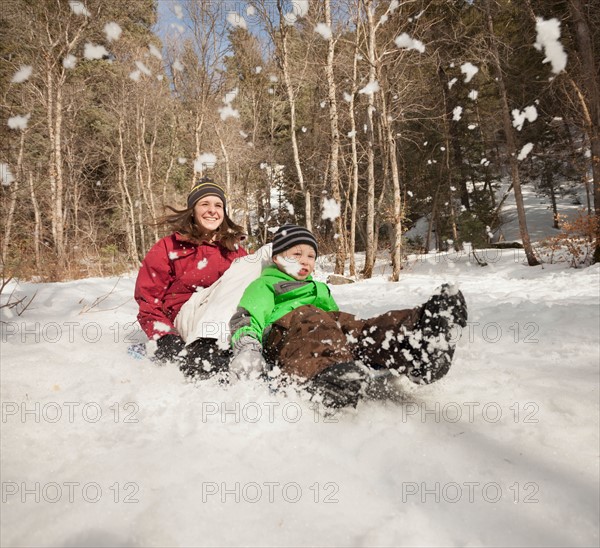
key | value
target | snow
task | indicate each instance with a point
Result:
(502, 452)
(78, 8)
(155, 51)
(452, 82)
(230, 96)
(289, 265)
(457, 113)
(324, 30)
(473, 94)
(469, 70)
(92, 51)
(404, 41)
(528, 113)
(299, 10)
(6, 176)
(143, 68)
(370, 88)
(548, 34)
(331, 209)
(289, 18)
(228, 111)
(527, 148)
(69, 61)
(100, 449)
(18, 122)
(301, 7)
(135, 75)
(204, 161)
(236, 20)
(178, 65)
(22, 74)
(113, 31)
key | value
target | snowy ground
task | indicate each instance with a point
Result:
(539, 213)
(100, 449)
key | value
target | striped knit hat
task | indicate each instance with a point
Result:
(206, 187)
(291, 235)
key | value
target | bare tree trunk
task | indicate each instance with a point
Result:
(370, 229)
(591, 86)
(455, 243)
(37, 227)
(340, 255)
(352, 246)
(13, 201)
(289, 88)
(129, 210)
(148, 155)
(139, 179)
(52, 175)
(449, 136)
(392, 161)
(431, 221)
(199, 121)
(510, 143)
(171, 160)
(383, 192)
(227, 165)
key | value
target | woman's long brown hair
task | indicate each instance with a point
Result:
(229, 235)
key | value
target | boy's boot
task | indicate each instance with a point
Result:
(204, 359)
(429, 346)
(340, 385)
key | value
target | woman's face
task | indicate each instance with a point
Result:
(209, 213)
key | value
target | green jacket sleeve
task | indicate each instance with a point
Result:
(256, 305)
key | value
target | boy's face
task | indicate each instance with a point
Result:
(298, 261)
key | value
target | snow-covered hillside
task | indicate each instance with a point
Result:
(539, 214)
(100, 449)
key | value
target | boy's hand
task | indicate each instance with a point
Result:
(248, 361)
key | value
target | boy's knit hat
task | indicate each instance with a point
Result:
(291, 235)
(206, 187)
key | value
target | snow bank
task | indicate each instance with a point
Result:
(102, 449)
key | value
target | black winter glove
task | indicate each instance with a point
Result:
(168, 349)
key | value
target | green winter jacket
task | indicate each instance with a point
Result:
(272, 296)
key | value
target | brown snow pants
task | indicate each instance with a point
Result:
(308, 340)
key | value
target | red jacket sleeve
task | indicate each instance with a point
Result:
(154, 279)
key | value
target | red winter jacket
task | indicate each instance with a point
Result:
(170, 274)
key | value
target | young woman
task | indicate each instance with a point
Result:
(204, 243)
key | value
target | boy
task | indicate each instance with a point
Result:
(296, 322)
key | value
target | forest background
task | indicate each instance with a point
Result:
(353, 117)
